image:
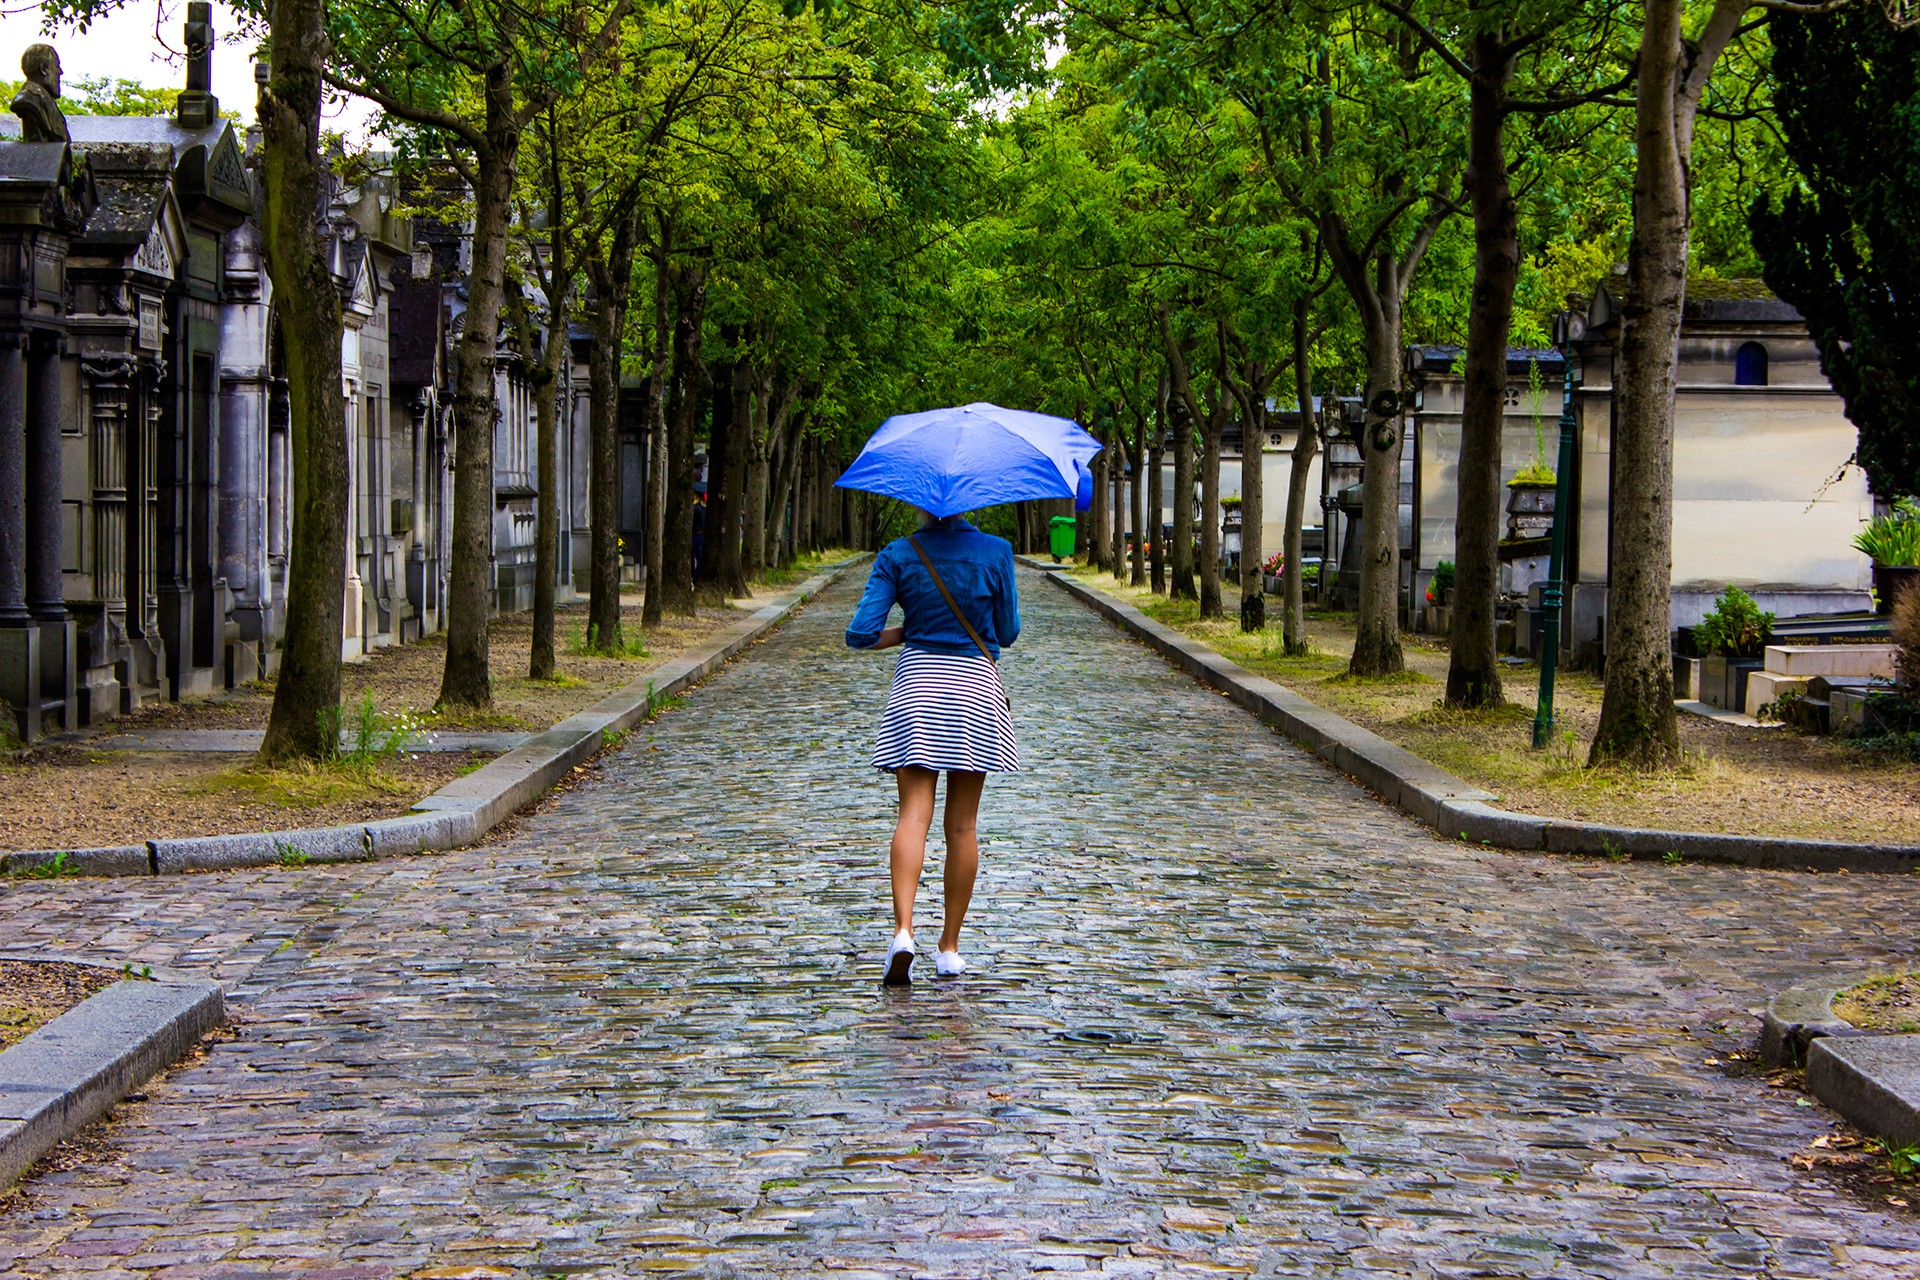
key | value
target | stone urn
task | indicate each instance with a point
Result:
(1529, 510)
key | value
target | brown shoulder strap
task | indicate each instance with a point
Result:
(948, 597)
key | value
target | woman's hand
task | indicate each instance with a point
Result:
(890, 636)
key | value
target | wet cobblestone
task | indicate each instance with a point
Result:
(1228, 1016)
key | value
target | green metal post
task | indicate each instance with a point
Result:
(1551, 593)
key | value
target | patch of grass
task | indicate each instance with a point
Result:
(288, 855)
(52, 869)
(1888, 1002)
(658, 703)
(304, 786)
(1388, 680)
(558, 680)
(584, 642)
(1442, 716)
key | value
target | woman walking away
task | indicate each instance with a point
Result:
(947, 711)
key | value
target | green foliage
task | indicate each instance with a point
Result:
(1442, 580)
(1893, 539)
(1841, 244)
(1533, 473)
(54, 868)
(364, 736)
(1736, 627)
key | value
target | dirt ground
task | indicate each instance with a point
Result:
(1883, 1004)
(34, 992)
(1737, 779)
(79, 795)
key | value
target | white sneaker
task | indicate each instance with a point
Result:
(899, 961)
(948, 964)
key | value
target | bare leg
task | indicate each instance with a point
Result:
(909, 852)
(963, 850)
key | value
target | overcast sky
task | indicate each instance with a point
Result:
(126, 44)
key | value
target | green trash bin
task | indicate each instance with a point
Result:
(1060, 535)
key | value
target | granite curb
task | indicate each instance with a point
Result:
(70, 1071)
(1452, 806)
(1870, 1077)
(463, 810)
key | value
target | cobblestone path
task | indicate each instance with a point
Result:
(1229, 1017)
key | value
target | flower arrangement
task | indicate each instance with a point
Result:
(1442, 582)
(1274, 565)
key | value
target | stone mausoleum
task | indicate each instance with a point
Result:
(144, 468)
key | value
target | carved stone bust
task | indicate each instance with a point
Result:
(38, 104)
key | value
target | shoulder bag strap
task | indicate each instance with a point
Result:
(948, 597)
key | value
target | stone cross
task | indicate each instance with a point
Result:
(197, 107)
(38, 104)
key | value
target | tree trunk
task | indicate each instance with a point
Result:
(1182, 578)
(545, 386)
(1294, 627)
(676, 575)
(759, 461)
(1156, 491)
(1253, 443)
(1137, 495)
(612, 274)
(466, 683)
(651, 614)
(719, 565)
(1210, 606)
(785, 426)
(1188, 417)
(1117, 502)
(546, 529)
(1473, 670)
(1098, 539)
(304, 722)
(1376, 644)
(1638, 726)
(551, 392)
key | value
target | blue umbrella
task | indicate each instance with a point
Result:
(947, 461)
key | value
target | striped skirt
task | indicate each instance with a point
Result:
(946, 711)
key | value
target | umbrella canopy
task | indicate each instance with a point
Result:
(946, 461)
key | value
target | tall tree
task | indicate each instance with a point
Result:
(1638, 727)
(470, 78)
(304, 722)
(1575, 46)
(1843, 246)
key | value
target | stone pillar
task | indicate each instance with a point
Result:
(46, 593)
(107, 390)
(13, 480)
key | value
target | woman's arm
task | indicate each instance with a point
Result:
(889, 637)
(1006, 605)
(868, 629)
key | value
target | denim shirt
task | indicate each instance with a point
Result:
(977, 568)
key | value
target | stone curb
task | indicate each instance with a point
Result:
(466, 808)
(1872, 1080)
(1801, 1014)
(1452, 806)
(69, 1072)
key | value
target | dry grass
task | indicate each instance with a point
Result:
(72, 797)
(1752, 781)
(1887, 1003)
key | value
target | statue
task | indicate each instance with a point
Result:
(38, 105)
